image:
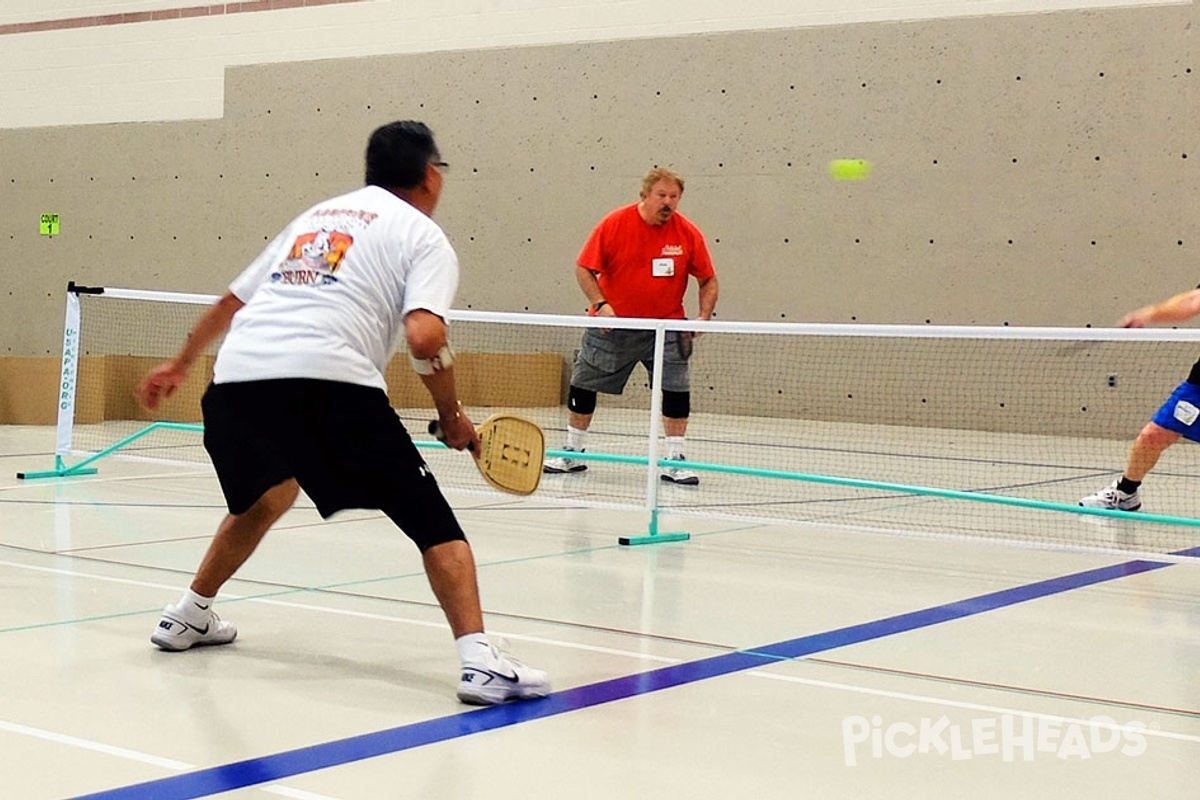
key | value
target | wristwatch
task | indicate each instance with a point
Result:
(596, 306)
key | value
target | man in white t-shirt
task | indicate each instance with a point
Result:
(298, 398)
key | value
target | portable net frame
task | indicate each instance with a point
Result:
(980, 432)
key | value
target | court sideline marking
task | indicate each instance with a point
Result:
(269, 600)
(251, 772)
(143, 758)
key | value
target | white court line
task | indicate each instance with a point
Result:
(86, 744)
(295, 794)
(348, 613)
(193, 470)
(443, 626)
(280, 790)
(939, 701)
(990, 540)
(142, 758)
(103, 578)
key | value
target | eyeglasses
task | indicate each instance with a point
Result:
(441, 166)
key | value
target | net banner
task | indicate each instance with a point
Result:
(70, 373)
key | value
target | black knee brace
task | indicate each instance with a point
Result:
(581, 401)
(676, 405)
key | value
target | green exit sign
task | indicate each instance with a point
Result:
(49, 225)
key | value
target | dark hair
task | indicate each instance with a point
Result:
(397, 154)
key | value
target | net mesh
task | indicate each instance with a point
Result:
(121, 339)
(864, 427)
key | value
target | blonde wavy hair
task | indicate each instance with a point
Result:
(660, 174)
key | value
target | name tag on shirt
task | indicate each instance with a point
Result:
(662, 267)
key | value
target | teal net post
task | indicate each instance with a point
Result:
(61, 470)
(74, 345)
(68, 380)
(899, 488)
(82, 468)
(947, 494)
(653, 534)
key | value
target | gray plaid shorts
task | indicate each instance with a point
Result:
(606, 360)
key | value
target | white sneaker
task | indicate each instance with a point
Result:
(501, 679)
(176, 633)
(680, 475)
(561, 464)
(1113, 498)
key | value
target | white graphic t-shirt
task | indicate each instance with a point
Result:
(327, 298)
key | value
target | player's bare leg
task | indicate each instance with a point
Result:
(1146, 450)
(192, 621)
(1124, 494)
(488, 675)
(450, 567)
(239, 535)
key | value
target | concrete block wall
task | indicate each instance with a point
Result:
(1035, 166)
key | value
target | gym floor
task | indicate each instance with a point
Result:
(760, 657)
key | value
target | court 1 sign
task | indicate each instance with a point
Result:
(49, 225)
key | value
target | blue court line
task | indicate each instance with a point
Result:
(272, 768)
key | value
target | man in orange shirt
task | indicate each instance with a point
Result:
(636, 263)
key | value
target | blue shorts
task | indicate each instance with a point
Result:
(1181, 411)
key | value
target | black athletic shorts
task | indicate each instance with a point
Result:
(342, 443)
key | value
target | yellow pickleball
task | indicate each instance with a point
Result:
(849, 169)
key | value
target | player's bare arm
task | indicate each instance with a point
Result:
(1182, 306)
(590, 285)
(708, 297)
(428, 346)
(163, 380)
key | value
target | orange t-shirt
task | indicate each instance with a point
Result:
(643, 269)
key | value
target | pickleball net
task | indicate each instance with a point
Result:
(964, 431)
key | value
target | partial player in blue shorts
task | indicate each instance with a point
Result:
(1178, 418)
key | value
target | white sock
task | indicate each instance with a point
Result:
(474, 648)
(575, 438)
(195, 606)
(674, 446)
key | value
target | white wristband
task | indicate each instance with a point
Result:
(439, 363)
